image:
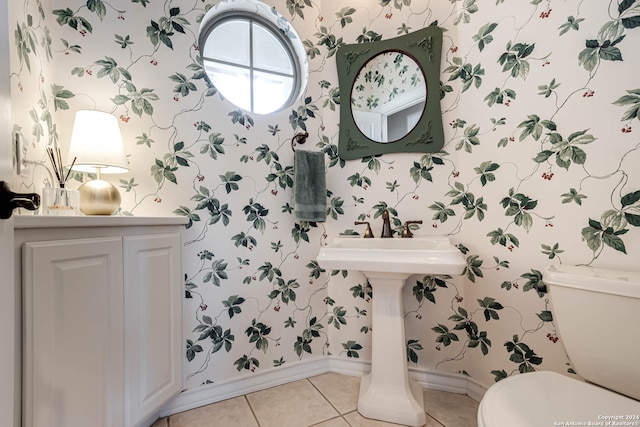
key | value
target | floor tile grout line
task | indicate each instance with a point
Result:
(341, 415)
(337, 410)
(324, 397)
(436, 420)
(255, 417)
(329, 419)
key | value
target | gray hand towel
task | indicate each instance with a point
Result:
(309, 186)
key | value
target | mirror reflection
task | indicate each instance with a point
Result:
(388, 96)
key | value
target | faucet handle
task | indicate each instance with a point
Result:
(406, 232)
(368, 233)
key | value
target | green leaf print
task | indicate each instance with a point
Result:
(631, 207)
(184, 86)
(573, 196)
(248, 363)
(230, 180)
(185, 211)
(595, 50)
(523, 355)
(425, 289)
(630, 13)
(123, 41)
(633, 100)
(233, 305)
(504, 239)
(25, 43)
(110, 68)
(97, 7)
(545, 316)
(551, 251)
(500, 96)
(352, 348)
(59, 96)
(192, 350)
(337, 318)
(596, 236)
(485, 171)
(571, 24)
(158, 35)
(547, 90)
(446, 336)
(534, 281)
(473, 268)
(513, 59)
(533, 126)
(161, 171)
(483, 37)
(345, 16)
(67, 17)
(257, 333)
(296, 7)
(412, 347)
(466, 72)
(491, 307)
(467, 8)
(301, 345)
(517, 205)
(442, 212)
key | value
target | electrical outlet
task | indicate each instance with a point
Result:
(20, 156)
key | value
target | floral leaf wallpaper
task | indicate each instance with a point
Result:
(540, 105)
(384, 78)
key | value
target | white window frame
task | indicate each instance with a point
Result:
(257, 13)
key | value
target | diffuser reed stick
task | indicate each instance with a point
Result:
(56, 162)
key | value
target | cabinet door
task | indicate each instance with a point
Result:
(73, 333)
(153, 323)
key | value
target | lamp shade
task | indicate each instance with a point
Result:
(96, 143)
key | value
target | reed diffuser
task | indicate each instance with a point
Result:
(60, 201)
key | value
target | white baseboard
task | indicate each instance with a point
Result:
(444, 381)
(205, 395)
(261, 380)
(475, 390)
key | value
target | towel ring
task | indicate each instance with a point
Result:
(299, 138)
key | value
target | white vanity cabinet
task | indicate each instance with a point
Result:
(102, 319)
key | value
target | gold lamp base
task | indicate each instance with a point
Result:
(99, 197)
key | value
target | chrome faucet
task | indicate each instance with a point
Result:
(386, 224)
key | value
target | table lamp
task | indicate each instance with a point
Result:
(97, 145)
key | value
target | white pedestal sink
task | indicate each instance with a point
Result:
(387, 393)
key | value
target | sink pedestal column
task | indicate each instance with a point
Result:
(387, 393)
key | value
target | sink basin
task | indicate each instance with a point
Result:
(387, 393)
(418, 255)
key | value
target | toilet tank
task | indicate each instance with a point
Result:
(597, 313)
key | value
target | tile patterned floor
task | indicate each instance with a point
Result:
(327, 400)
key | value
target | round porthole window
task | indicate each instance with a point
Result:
(253, 56)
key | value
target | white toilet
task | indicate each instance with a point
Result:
(597, 313)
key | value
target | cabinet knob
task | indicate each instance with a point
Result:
(10, 201)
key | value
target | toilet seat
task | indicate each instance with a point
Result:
(544, 398)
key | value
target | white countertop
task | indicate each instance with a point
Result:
(44, 221)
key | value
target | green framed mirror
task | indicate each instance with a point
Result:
(390, 95)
